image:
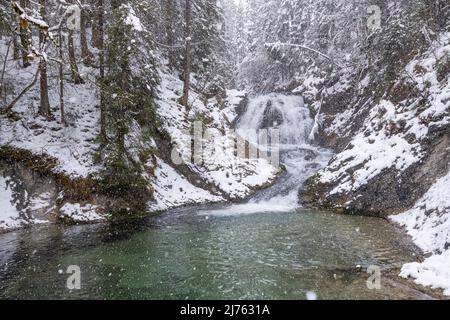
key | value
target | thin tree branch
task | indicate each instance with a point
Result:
(279, 44)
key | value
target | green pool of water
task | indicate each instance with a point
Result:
(183, 254)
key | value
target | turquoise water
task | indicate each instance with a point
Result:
(184, 254)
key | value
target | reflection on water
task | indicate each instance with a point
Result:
(185, 254)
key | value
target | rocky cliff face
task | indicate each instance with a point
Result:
(30, 195)
(391, 148)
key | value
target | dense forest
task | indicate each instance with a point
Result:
(101, 103)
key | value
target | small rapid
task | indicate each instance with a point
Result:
(298, 155)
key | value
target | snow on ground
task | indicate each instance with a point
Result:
(73, 146)
(433, 272)
(429, 221)
(234, 98)
(429, 225)
(81, 213)
(9, 215)
(172, 189)
(233, 175)
(340, 123)
(371, 152)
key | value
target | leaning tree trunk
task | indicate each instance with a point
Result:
(44, 108)
(187, 56)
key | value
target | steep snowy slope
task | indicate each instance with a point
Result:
(399, 161)
(402, 146)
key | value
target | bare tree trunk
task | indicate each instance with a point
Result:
(16, 52)
(170, 13)
(24, 38)
(97, 24)
(61, 79)
(3, 70)
(73, 60)
(16, 46)
(187, 56)
(86, 55)
(44, 108)
(102, 69)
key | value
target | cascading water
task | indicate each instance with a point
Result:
(289, 115)
(286, 113)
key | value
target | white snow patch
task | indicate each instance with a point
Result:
(132, 19)
(433, 272)
(172, 189)
(429, 221)
(9, 215)
(81, 213)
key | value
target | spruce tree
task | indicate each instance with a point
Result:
(129, 90)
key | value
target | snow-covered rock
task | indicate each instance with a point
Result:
(433, 272)
(171, 189)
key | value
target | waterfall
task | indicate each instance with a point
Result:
(293, 119)
(286, 113)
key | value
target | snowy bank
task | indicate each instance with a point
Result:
(429, 225)
(171, 189)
